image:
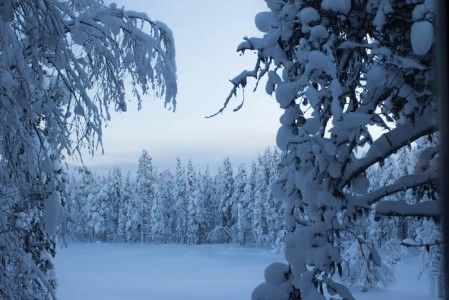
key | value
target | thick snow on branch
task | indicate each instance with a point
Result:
(404, 183)
(391, 142)
(335, 76)
(64, 65)
(402, 209)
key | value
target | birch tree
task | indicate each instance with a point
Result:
(63, 66)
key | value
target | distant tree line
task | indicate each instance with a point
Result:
(185, 206)
(194, 207)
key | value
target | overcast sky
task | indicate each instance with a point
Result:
(206, 34)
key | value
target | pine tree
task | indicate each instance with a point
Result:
(133, 225)
(158, 222)
(228, 209)
(145, 181)
(180, 199)
(203, 204)
(273, 207)
(77, 192)
(169, 206)
(247, 232)
(99, 211)
(239, 198)
(260, 197)
(195, 218)
(210, 204)
(114, 203)
(127, 231)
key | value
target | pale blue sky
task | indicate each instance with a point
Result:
(206, 33)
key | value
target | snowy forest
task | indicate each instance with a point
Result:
(193, 207)
(350, 190)
(186, 206)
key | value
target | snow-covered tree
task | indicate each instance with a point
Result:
(114, 203)
(157, 216)
(240, 184)
(63, 66)
(246, 234)
(168, 206)
(145, 181)
(261, 190)
(122, 214)
(76, 216)
(184, 208)
(358, 270)
(99, 211)
(273, 207)
(225, 191)
(196, 219)
(209, 201)
(338, 69)
(129, 217)
(425, 233)
(180, 199)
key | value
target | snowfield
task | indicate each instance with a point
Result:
(118, 271)
(138, 272)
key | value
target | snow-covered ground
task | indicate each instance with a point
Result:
(409, 285)
(117, 271)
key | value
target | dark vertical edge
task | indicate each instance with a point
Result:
(442, 96)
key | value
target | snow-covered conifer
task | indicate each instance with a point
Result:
(157, 217)
(246, 230)
(209, 201)
(273, 207)
(145, 181)
(114, 203)
(195, 207)
(261, 190)
(180, 200)
(127, 222)
(225, 189)
(240, 184)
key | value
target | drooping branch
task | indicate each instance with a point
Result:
(238, 81)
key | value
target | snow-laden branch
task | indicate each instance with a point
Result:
(391, 142)
(64, 66)
(238, 81)
(408, 243)
(402, 209)
(333, 83)
(403, 183)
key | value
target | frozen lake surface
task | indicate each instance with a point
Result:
(153, 272)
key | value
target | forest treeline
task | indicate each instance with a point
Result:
(236, 205)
